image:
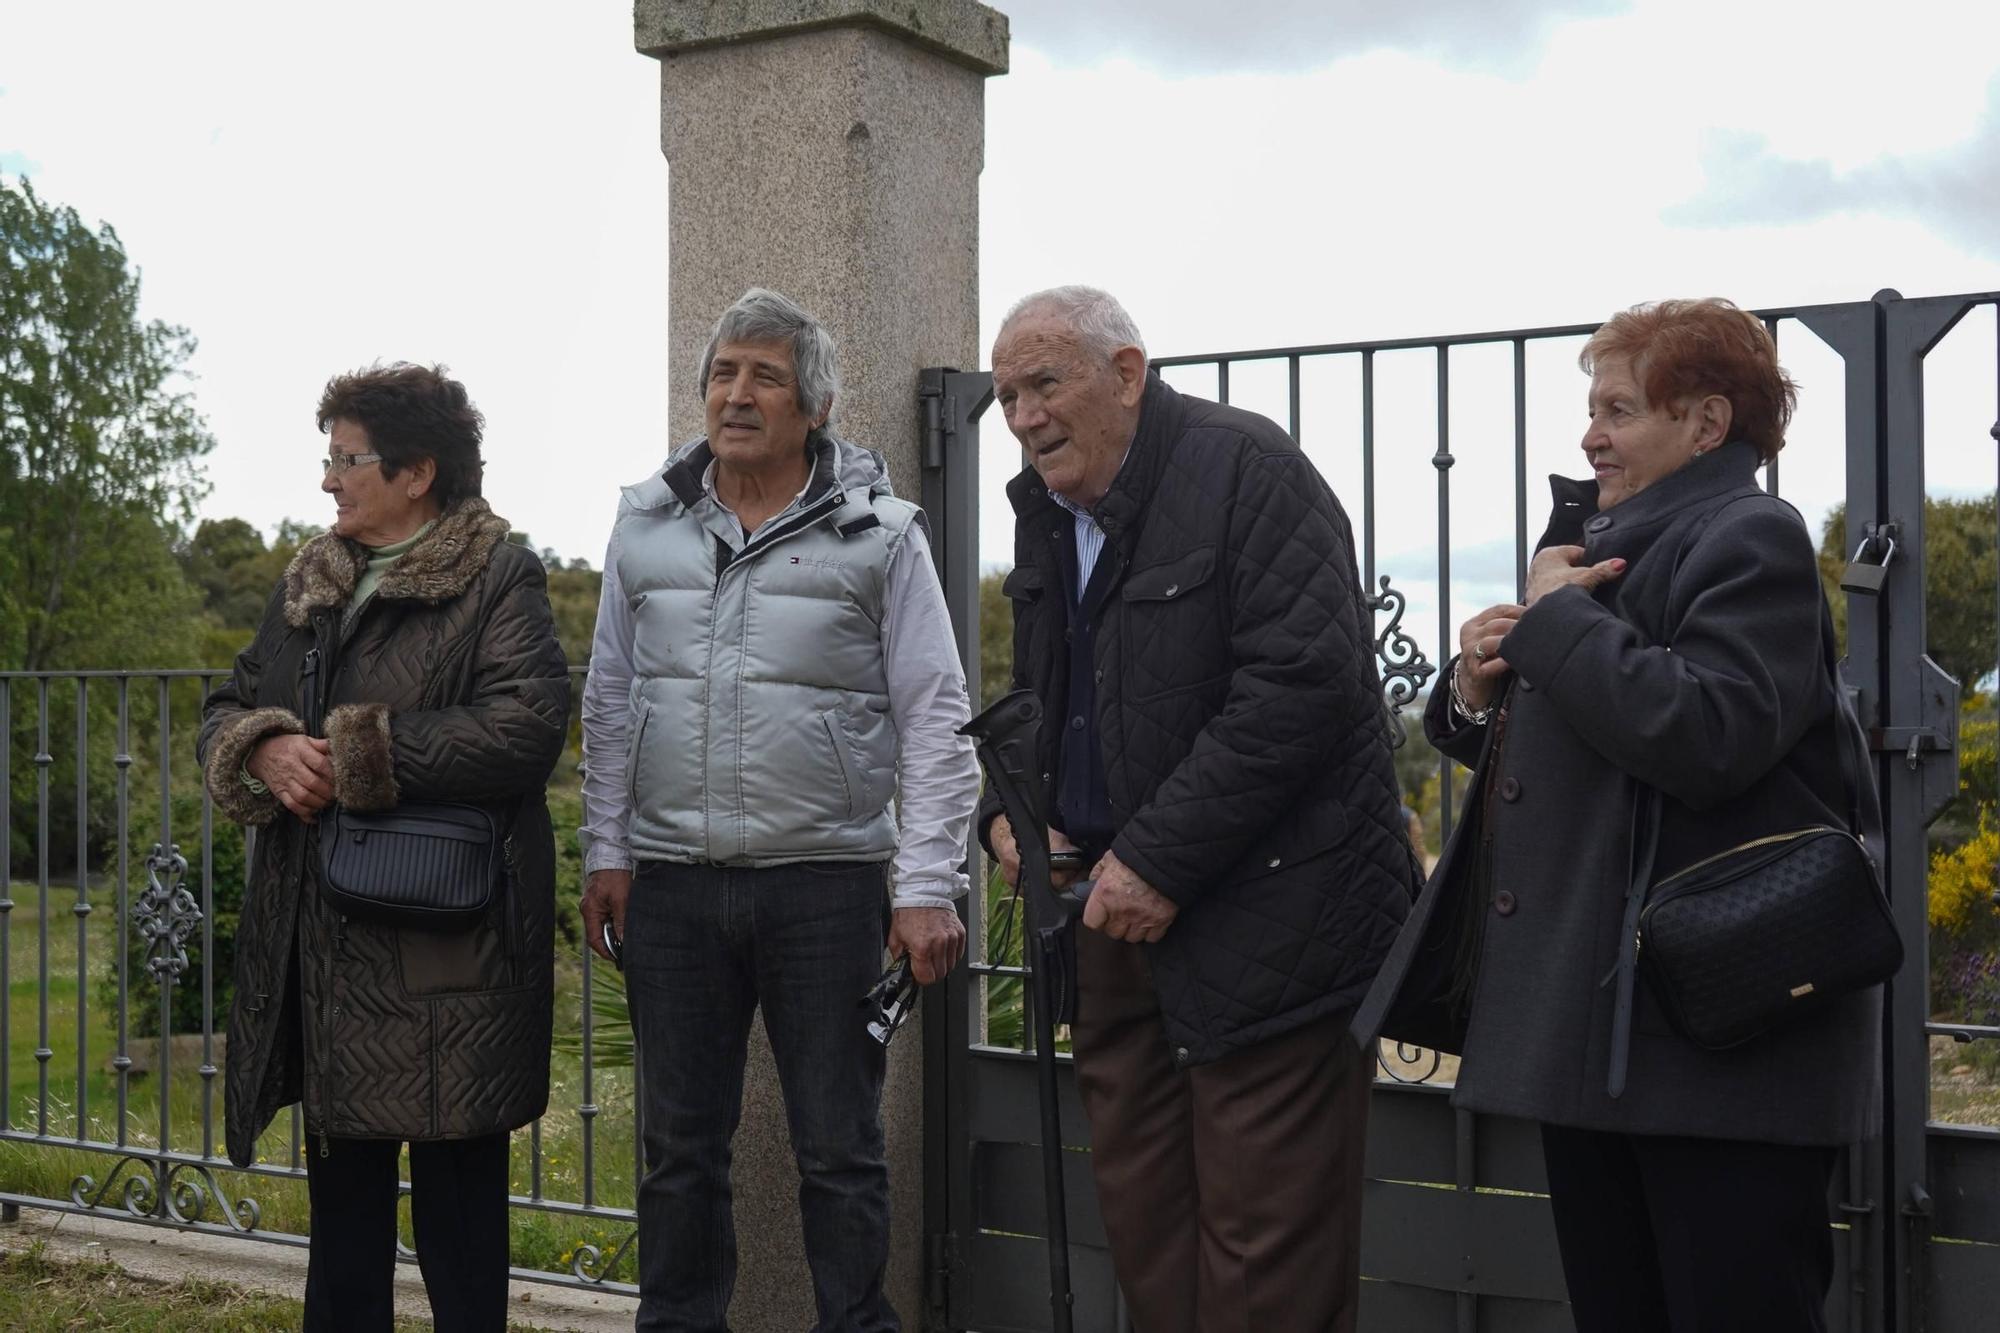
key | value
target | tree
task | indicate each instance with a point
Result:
(227, 560)
(100, 442)
(996, 638)
(1960, 567)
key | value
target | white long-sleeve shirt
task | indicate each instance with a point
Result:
(937, 774)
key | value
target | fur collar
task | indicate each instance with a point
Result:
(441, 566)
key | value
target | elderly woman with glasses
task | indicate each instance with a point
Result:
(1661, 693)
(424, 640)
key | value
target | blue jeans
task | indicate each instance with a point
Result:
(705, 947)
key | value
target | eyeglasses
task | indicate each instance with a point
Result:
(335, 464)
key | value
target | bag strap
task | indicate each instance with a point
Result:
(1646, 846)
(1864, 821)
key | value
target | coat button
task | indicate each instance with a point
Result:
(1503, 903)
(1274, 863)
(1598, 524)
(1172, 588)
(1076, 724)
(1510, 790)
(1181, 1054)
(1527, 687)
(1097, 676)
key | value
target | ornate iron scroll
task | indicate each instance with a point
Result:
(166, 914)
(169, 1192)
(1404, 667)
(1413, 1064)
(592, 1264)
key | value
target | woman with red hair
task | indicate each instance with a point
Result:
(1662, 692)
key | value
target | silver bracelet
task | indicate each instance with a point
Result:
(1477, 717)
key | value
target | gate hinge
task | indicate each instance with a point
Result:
(940, 415)
(943, 1258)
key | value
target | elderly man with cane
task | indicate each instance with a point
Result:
(1188, 612)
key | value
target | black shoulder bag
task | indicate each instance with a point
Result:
(425, 865)
(1766, 932)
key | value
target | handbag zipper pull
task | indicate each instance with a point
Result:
(322, 1146)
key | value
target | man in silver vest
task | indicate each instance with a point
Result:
(773, 690)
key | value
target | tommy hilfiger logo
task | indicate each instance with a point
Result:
(819, 564)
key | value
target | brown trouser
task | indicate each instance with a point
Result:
(1231, 1191)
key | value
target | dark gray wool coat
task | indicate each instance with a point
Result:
(449, 686)
(1700, 672)
(1240, 719)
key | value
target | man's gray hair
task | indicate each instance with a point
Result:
(1100, 323)
(762, 315)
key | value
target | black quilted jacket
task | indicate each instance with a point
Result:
(1244, 737)
(449, 685)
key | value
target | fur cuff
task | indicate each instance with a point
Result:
(364, 761)
(230, 749)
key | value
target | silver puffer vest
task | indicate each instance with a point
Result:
(760, 711)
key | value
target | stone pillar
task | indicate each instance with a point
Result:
(830, 149)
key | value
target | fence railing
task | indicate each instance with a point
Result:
(111, 1053)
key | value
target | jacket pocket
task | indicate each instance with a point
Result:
(1171, 580)
(1290, 848)
(1022, 584)
(632, 757)
(1175, 631)
(850, 779)
(480, 959)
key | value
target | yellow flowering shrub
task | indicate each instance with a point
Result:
(1962, 882)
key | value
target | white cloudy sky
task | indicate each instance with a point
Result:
(309, 187)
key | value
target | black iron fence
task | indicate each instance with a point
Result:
(100, 794)
(1432, 443)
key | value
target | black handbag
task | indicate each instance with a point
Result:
(1766, 932)
(425, 865)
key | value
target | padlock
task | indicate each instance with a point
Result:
(1868, 578)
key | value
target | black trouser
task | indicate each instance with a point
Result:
(458, 1208)
(706, 948)
(1682, 1235)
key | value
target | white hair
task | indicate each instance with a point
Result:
(1093, 314)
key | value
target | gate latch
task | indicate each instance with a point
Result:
(1910, 742)
(1865, 572)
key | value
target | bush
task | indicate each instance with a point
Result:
(1961, 886)
(565, 813)
(1973, 984)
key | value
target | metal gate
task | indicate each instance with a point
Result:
(1457, 1233)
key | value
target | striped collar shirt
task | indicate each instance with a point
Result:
(1089, 537)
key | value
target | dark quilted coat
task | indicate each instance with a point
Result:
(449, 685)
(1240, 716)
(1700, 672)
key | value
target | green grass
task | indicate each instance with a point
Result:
(540, 1240)
(39, 1294)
